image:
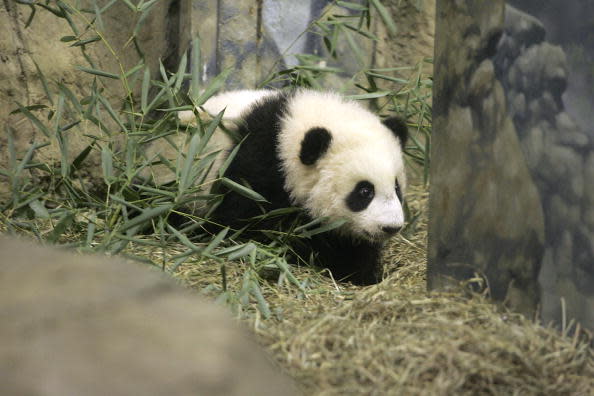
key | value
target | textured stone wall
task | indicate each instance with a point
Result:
(512, 170)
(485, 211)
(560, 155)
(21, 47)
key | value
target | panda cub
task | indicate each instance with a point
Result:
(327, 155)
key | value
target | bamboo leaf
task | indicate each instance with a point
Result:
(388, 78)
(69, 126)
(144, 13)
(260, 300)
(34, 120)
(98, 19)
(319, 68)
(97, 72)
(146, 81)
(65, 221)
(130, 5)
(107, 6)
(145, 216)
(147, 5)
(178, 108)
(284, 267)
(242, 190)
(354, 47)
(385, 16)
(39, 209)
(243, 251)
(155, 190)
(107, 165)
(12, 157)
(157, 100)
(136, 68)
(229, 159)
(325, 228)
(71, 97)
(86, 41)
(183, 239)
(32, 107)
(371, 95)
(111, 112)
(195, 69)
(217, 83)
(314, 222)
(91, 229)
(210, 131)
(216, 241)
(185, 176)
(122, 201)
(31, 15)
(181, 71)
(44, 83)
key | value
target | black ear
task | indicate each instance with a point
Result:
(314, 145)
(398, 127)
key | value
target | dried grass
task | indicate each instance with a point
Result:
(397, 338)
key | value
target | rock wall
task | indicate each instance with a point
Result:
(510, 195)
(485, 212)
(22, 47)
(415, 20)
(560, 155)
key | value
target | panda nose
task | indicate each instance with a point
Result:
(390, 230)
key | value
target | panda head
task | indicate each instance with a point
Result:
(342, 162)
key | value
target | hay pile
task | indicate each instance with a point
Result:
(396, 338)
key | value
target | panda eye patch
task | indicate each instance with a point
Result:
(361, 196)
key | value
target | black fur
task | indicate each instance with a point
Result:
(314, 145)
(398, 127)
(353, 260)
(257, 165)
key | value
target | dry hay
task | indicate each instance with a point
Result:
(397, 338)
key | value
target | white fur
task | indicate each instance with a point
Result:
(235, 103)
(362, 148)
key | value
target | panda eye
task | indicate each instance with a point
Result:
(366, 192)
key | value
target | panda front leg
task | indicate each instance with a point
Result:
(354, 260)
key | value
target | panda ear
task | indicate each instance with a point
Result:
(314, 144)
(398, 127)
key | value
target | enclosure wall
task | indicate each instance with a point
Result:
(513, 154)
